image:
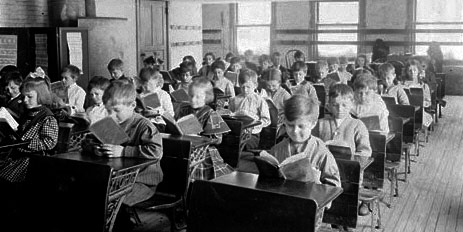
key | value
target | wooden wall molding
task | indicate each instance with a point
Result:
(185, 27)
(186, 43)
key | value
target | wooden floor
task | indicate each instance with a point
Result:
(431, 200)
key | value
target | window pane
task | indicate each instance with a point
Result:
(439, 26)
(439, 11)
(254, 13)
(338, 12)
(337, 37)
(336, 27)
(337, 50)
(439, 37)
(254, 38)
(450, 52)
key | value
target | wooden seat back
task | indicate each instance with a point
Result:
(230, 149)
(344, 208)
(404, 111)
(374, 174)
(394, 147)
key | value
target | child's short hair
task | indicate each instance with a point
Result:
(150, 60)
(365, 80)
(73, 70)
(203, 84)
(208, 54)
(186, 66)
(40, 86)
(189, 58)
(98, 82)
(274, 75)
(14, 77)
(361, 56)
(247, 75)
(298, 54)
(147, 74)
(264, 58)
(333, 60)
(115, 64)
(343, 60)
(321, 64)
(218, 64)
(298, 66)
(341, 90)
(276, 54)
(119, 92)
(384, 69)
(299, 106)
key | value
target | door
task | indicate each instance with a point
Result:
(152, 33)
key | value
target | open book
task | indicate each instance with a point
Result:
(232, 76)
(8, 126)
(180, 95)
(151, 100)
(297, 167)
(107, 131)
(59, 90)
(187, 125)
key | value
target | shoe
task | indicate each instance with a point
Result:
(363, 209)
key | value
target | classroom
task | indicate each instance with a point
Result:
(231, 115)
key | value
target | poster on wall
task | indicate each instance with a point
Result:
(41, 51)
(74, 40)
(8, 50)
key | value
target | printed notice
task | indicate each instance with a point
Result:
(41, 51)
(75, 49)
(8, 50)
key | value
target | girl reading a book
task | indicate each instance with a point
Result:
(201, 93)
(219, 80)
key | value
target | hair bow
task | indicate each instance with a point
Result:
(38, 73)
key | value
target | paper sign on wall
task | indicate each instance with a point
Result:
(41, 51)
(8, 50)
(75, 49)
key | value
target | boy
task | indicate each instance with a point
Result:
(302, 86)
(116, 69)
(276, 92)
(96, 88)
(387, 74)
(368, 103)
(301, 114)
(76, 95)
(344, 75)
(341, 128)
(251, 104)
(144, 142)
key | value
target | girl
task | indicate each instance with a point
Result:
(206, 70)
(219, 80)
(15, 102)
(191, 59)
(201, 93)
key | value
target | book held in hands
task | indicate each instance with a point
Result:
(297, 167)
(8, 126)
(150, 101)
(187, 125)
(180, 95)
(233, 77)
(108, 131)
(59, 90)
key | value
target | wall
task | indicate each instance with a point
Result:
(24, 13)
(217, 34)
(112, 34)
(185, 32)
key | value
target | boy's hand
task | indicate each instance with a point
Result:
(111, 151)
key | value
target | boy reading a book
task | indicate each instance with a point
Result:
(150, 79)
(276, 92)
(96, 88)
(302, 87)
(249, 103)
(76, 95)
(213, 126)
(301, 114)
(367, 103)
(387, 74)
(116, 69)
(144, 142)
(341, 129)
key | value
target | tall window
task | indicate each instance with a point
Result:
(253, 27)
(440, 21)
(337, 26)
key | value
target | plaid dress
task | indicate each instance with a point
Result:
(213, 166)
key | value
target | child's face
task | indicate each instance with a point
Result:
(343, 67)
(218, 73)
(116, 73)
(340, 106)
(266, 65)
(97, 95)
(186, 77)
(198, 98)
(68, 80)
(273, 85)
(413, 72)
(30, 99)
(363, 95)
(276, 60)
(13, 89)
(390, 76)
(300, 129)
(361, 61)
(151, 86)
(209, 59)
(299, 76)
(120, 112)
(236, 67)
(248, 88)
(333, 67)
(322, 71)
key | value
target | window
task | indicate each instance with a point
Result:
(337, 26)
(253, 27)
(440, 21)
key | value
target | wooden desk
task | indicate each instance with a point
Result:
(364, 161)
(75, 192)
(245, 202)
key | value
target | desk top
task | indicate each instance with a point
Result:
(321, 194)
(246, 120)
(405, 120)
(196, 140)
(364, 161)
(13, 145)
(389, 135)
(117, 164)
